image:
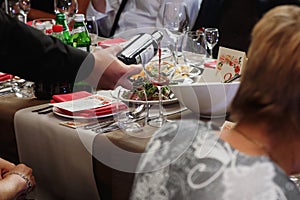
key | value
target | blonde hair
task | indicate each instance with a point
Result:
(270, 87)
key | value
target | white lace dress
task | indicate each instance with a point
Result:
(187, 160)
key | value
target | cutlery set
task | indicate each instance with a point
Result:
(43, 110)
(109, 124)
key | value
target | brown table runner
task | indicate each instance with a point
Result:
(8, 106)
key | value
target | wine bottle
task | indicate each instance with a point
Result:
(142, 49)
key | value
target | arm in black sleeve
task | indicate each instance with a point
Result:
(28, 53)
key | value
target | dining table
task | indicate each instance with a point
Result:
(65, 160)
(9, 104)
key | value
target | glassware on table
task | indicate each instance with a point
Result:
(194, 48)
(160, 72)
(12, 8)
(20, 87)
(23, 89)
(212, 38)
(92, 28)
(132, 111)
(24, 8)
(175, 22)
(44, 25)
(68, 7)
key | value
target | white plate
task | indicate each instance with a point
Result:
(115, 92)
(59, 113)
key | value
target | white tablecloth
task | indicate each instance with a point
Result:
(61, 156)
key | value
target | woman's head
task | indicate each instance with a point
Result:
(270, 87)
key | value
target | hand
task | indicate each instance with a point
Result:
(109, 72)
(5, 166)
(17, 182)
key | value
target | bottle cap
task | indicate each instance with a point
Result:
(57, 28)
(79, 18)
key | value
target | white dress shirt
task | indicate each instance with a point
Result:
(137, 16)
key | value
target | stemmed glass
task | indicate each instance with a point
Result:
(160, 72)
(194, 48)
(175, 22)
(92, 28)
(69, 7)
(132, 110)
(25, 8)
(212, 37)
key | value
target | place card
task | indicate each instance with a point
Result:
(76, 124)
(230, 63)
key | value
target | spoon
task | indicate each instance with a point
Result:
(138, 111)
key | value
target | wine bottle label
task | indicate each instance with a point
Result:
(146, 55)
(134, 47)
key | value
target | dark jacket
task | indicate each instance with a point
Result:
(28, 53)
(235, 19)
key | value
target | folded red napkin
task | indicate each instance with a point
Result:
(211, 64)
(109, 42)
(69, 97)
(5, 77)
(101, 111)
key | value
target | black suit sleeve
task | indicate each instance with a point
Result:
(28, 53)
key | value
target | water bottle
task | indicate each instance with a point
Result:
(142, 49)
(58, 32)
(80, 37)
(61, 19)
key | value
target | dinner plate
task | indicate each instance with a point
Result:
(180, 77)
(57, 112)
(115, 92)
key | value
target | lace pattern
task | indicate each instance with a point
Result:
(207, 169)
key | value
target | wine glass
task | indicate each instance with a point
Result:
(175, 22)
(25, 8)
(194, 48)
(69, 7)
(92, 28)
(132, 111)
(160, 72)
(212, 37)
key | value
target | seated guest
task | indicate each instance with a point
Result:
(253, 159)
(133, 14)
(15, 180)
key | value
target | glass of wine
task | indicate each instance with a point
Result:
(160, 72)
(175, 22)
(212, 37)
(24, 8)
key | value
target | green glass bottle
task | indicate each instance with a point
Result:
(80, 37)
(61, 19)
